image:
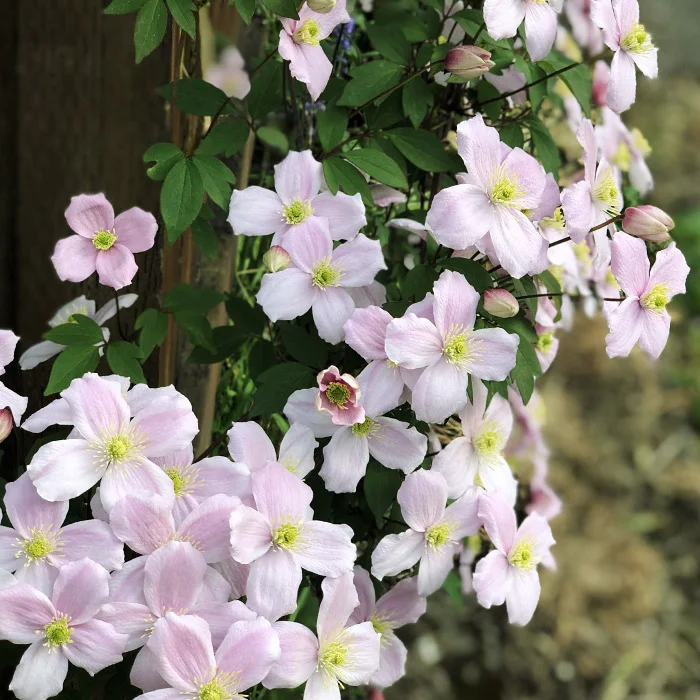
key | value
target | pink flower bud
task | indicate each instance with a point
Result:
(501, 303)
(276, 259)
(648, 223)
(321, 6)
(6, 423)
(339, 395)
(468, 61)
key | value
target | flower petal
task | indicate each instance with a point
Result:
(298, 176)
(140, 476)
(491, 579)
(279, 495)
(455, 303)
(248, 443)
(75, 258)
(40, 674)
(167, 424)
(460, 215)
(413, 342)
(522, 596)
(402, 605)
(325, 549)
(255, 211)
(95, 645)
(435, 564)
(338, 602)
(362, 660)
(144, 523)
(136, 229)
(301, 408)
(495, 353)
(92, 539)
(88, 213)
(25, 611)
(499, 521)
(630, 264)
(345, 214)
(397, 553)
(116, 267)
(286, 295)
(440, 391)
(359, 261)
(81, 589)
(654, 333)
(365, 332)
(273, 584)
(208, 527)
(297, 450)
(298, 657)
(28, 511)
(622, 88)
(397, 446)
(540, 29)
(250, 535)
(626, 323)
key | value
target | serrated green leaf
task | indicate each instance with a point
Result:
(331, 124)
(151, 23)
(69, 365)
(422, 148)
(308, 349)
(123, 7)
(390, 43)
(369, 81)
(216, 178)
(185, 297)
(275, 385)
(183, 13)
(474, 272)
(282, 8)
(82, 331)
(153, 325)
(377, 165)
(181, 197)
(123, 359)
(227, 137)
(165, 156)
(340, 174)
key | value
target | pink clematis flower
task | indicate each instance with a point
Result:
(39, 546)
(383, 195)
(503, 17)
(110, 445)
(632, 45)
(435, 531)
(585, 32)
(509, 573)
(248, 444)
(398, 607)
(59, 628)
(295, 203)
(343, 654)
(449, 349)
(279, 539)
(183, 655)
(642, 317)
(8, 398)
(597, 197)
(318, 279)
(300, 45)
(194, 482)
(502, 184)
(476, 458)
(103, 243)
(229, 74)
(339, 396)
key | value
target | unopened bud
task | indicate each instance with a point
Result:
(6, 423)
(648, 223)
(321, 6)
(468, 61)
(276, 259)
(501, 303)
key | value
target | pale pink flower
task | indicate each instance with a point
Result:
(110, 446)
(585, 32)
(476, 458)
(194, 482)
(47, 349)
(509, 573)
(383, 195)
(103, 243)
(249, 445)
(343, 654)
(435, 531)
(8, 398)
(503, 17)
(229, 74)
(400, 606)
(449, 349)
(318, 279)
(300, 45)
(295, 203)
(632, 45)
(642, 317)
(39, 546)
(501, 184)
(279, 540)
(59, 628)
(145, 523)
(183, 654)
(510, 79)
(339, 396)
(597, 197)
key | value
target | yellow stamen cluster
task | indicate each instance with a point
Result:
(324, 274)
(505, 190)
(608, 193)
(185, 479)
(104, 240)
(38, 546)
(57, 633)
(489, 443)
(334, 656)
(365, 428)
(556, 222)
(118, 447)
(338, 393)
(297, 211)
(458, 348)
(656, 298)
(308, 33)
(638, 40)
(286, 535)
(522, 555)
(438, 535)
(544, 341)
(212, 691)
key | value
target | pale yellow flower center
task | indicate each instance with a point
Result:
(522, 555)
(325, 274)
(656, 298)
(307, 33)
(57, 633)
(104, 240)
(297, 211)
(638, 40)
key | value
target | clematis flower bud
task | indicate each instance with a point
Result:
(323, 7)
(648, 223)
(339, 395)
(501, 303)
(468, 61)
(6, 423)
(276, 259)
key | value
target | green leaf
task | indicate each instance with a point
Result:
(388, 113)
(526, 287)
(341, 174)
(197, 327)
(266, 91)
(418, 282)
(185, 297)
(369, 80)
(165, 156)
(227, 341)
(527, 367)
(122, 7)
(422, 148)
(182, 12)
(378, 165)
(274, 138)
(123, 359)
(519, 325)
(205, 238)
(246, 318)
(282, 8)
(416, 98)
(476, 275)
(486, 92)
(275, 385)
(151, 23)
(512, 135)
(544, 145)
(227, 136)
(532, 72)
(578, 79)
(216, 178)
(453, 587)
(303, 347)
(246, 9)
(69, 365)
(196, 96)
(181, 197)
(331, 123)
(380, 486)
(153, 325)
(390, 43)
(83, 331)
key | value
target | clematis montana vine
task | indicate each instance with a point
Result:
(103, 243)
